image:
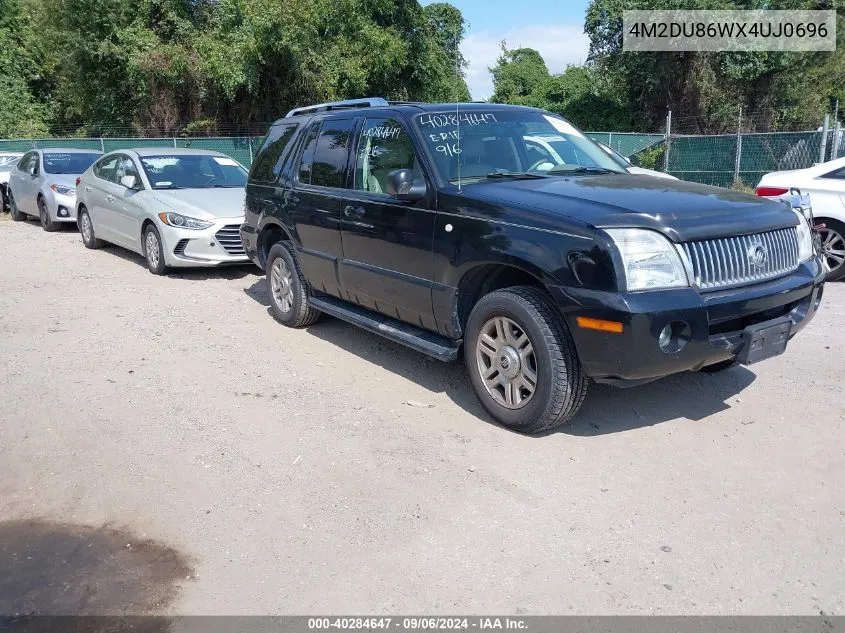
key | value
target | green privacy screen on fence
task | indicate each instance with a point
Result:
(706, 159)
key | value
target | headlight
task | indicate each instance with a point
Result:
(183, 221)
(63, 190)
(650, 260)
(805, 238)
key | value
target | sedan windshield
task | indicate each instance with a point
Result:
(68, 162)
(509, 143)
(193, 171)
(9, 159)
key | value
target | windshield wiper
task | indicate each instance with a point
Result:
(514, 174)
(160, 187)
(581, 169)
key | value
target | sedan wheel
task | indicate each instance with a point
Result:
(833, 250)
(153, 251)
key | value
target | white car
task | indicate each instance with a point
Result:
(8, 161)
(561, 151)
(627, 164)
(176, 207)
(825, 184)
(42, 185)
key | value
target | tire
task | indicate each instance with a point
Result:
(17, 214)
(288, 289)
(86, 230)
(154, 251)
(44, 215)
(560, 385)
(833, 248)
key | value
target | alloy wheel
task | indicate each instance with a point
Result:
(833, 249)
(506, 362)
(151, 244)
(281, 281)
(87, 230)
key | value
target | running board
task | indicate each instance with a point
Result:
(429, 343)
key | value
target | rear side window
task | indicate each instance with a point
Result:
(268, 163)
(106, 168)
(839, 174)
(308, 154)
(332, 153)
(27, 161)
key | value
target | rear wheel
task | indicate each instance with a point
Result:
(17, 214)
(521, 360)
(44, 215)
(86, 229)
(288, 288)
(833, 248)
(153, 251)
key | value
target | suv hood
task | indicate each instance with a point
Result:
(204, 204)
(680, 210)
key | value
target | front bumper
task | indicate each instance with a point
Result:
(249, 238)
(62, 208)
(717, 321)
(218, 245)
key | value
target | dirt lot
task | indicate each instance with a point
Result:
(166, 436)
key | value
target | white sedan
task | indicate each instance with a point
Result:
(176, 207)
(825, 184)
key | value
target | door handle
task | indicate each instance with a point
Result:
(110, 198)
(350, 211)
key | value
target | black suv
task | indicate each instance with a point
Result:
(503, 231)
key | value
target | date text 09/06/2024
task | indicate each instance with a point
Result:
(416, 623)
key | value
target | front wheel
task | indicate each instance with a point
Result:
(522, 362)
(154, 252)
(44, 215)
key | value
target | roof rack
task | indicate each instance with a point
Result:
(367, 102)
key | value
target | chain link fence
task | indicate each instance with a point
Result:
(724, 160)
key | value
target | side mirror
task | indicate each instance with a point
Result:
(129, 182)
(33, 171)
(401, 184)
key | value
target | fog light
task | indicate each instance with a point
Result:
(63, 212)
(674, 337)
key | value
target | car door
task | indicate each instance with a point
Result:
(26, 183)
(98, 190)
(387, 242)
(126, 205)
(315, 200)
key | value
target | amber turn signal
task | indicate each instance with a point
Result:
(599, 324)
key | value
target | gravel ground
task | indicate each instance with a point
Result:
(215, 462)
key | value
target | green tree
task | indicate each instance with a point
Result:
(518, 76)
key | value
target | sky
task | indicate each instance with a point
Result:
(555, 28)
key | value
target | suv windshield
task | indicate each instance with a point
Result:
(502, 143)
(68, 162)
(193, 171)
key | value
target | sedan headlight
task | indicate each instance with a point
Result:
(183, 221)
(650, 260)
(63, 190)
(805, 237)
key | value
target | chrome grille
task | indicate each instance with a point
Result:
(729, 261)
(229, 238)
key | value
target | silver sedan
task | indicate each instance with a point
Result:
(176, 207)
(43, 185)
